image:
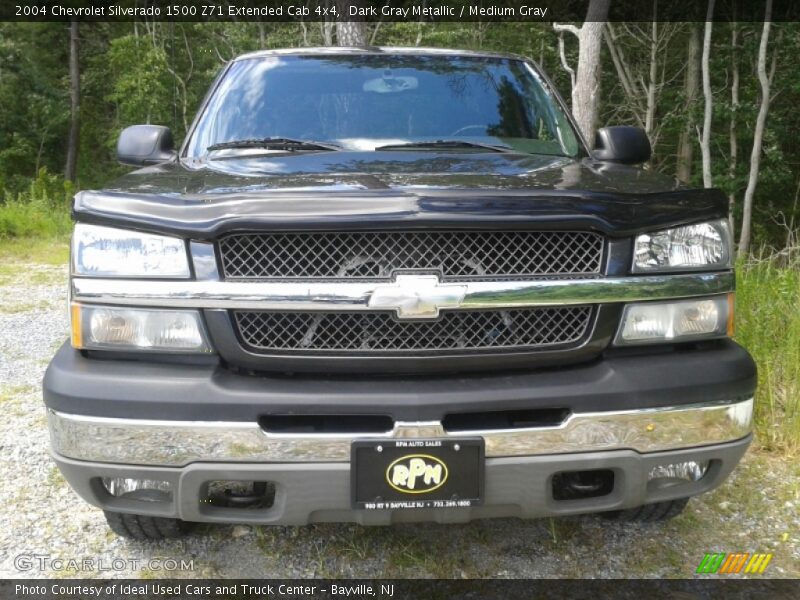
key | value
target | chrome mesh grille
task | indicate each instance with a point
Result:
(381, 333)
(376, 255)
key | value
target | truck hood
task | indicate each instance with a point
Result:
(394, 189)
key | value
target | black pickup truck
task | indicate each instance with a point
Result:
(383, 285)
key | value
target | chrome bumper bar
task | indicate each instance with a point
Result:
(336, 296)
(178, 443)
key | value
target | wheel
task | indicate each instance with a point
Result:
(143, 527)
(649, 513)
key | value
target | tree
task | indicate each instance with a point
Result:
(145, 71)
(758, 133)
(350, 33)
(75, 103)
(586, 79)
(182, 81)
(644, 78)
(140, 85)
(691, 85)
(705, 141)
(733, 143)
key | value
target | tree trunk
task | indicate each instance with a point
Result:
(734, 144)
(420, 23)
(650, 113)
(75, 103)
(705, 142)
(304, 27)
(623, 70)
(758, 134)
(691, 85)
(349, 33)
(262, 35)
(326, 28)
(586, 89)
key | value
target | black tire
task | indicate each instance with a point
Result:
(143, 527)
(649, 513)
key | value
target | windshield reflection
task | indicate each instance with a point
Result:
(366, 101)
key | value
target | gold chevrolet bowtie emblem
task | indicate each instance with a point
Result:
(417, 296)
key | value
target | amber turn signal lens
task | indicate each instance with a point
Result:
(731, 321)
(75, 315)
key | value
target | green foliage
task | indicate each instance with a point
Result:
(159, 72)
(40, 211)
(139, 83)
(34, 107)
(768, 325)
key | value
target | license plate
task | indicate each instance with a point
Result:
(415, 473)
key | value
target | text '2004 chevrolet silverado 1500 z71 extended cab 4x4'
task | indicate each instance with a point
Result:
(382, 285)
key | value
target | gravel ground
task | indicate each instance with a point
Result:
(755, 511)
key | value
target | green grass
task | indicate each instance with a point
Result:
(768, 325)
(34, 229)
(39, 219)
(39, 211)
(18, 253)
(31, 261)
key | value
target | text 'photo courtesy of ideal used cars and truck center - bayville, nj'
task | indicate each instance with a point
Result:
(387, 290)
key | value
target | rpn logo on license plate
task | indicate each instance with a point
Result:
(411, 473)
(417, 474)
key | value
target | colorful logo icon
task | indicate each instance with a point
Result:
(733, 563)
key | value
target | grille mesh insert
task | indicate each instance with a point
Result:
(381, 333)
(376, 255)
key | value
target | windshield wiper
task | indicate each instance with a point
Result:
(444, 144)
(275, 143)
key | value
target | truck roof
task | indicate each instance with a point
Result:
(343, 50)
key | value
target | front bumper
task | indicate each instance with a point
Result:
(195, 424)
(77, 385)
(179, 443)
(320, 492)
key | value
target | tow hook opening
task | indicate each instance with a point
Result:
(252, 495)
(580, 485)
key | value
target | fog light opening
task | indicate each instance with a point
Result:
(146, 490)
(580, 485)
(238, 494)
(672, 474)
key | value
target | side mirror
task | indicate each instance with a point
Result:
(141, 145)
(622, 144)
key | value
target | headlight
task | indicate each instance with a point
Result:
(679, 321)
(691, 247)
(153, 330)
(107, 252)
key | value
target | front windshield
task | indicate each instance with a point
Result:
(363, 102)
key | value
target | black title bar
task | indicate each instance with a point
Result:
(398, 589)
(430, 11)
